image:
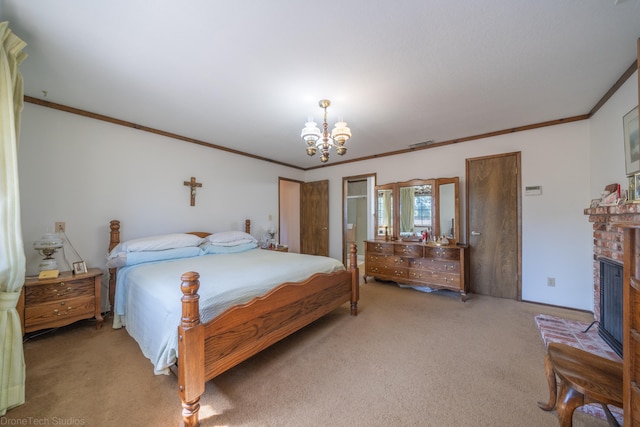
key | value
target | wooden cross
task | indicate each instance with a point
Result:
(193, 184)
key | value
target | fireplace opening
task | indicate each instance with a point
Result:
(611, 286)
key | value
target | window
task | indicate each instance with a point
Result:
(422, 206)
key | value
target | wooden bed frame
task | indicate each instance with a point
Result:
(209, 349)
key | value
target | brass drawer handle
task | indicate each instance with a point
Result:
(58, 312)
(58, 294)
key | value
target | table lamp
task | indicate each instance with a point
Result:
(46, 246)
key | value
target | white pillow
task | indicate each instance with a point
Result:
(228, 249)
(160, 242)
(230, 238)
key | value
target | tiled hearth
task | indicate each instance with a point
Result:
(571, 332)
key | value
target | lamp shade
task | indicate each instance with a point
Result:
(341, 133)
(47, 245)
(310, 133)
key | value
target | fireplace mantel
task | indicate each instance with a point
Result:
(608, 239)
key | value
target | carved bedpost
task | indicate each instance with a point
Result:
(355, 280)
(247, 226)
(191, 361)
(114, 239)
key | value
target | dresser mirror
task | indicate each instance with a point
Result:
(385, 211)
(430, 205)
(448, 216)
(416, 207)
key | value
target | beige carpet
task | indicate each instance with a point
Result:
(409, 359)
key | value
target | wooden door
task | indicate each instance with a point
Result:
(314, 218)
(493, 212)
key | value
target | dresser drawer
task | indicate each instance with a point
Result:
(435, 265)
(413, 251)
(380, 247)
(387, 271)
(58, 313)
(61, 290)
(387, 260)
(441, 252)
(445, 279)
(434, 278)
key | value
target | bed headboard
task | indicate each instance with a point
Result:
(114, 240)
(114, 226)
(203, 234)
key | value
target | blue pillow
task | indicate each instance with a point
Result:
(123, 259)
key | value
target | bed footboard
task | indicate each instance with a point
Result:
(207, 350)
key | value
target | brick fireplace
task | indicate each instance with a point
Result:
(607, 239)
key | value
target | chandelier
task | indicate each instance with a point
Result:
(323, 141)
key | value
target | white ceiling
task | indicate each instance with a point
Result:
(246, 74)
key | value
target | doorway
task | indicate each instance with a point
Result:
(358, 213)
(494, 220)
(289, 213)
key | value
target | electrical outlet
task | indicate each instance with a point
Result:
(60, 228)
(551, 281)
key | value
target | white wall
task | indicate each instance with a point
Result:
(607, 136)
(556, 234)
(86, 172)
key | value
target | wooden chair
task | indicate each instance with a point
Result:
(584, 378)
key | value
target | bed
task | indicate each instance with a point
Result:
(206, 324)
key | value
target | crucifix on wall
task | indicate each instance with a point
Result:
(193, 184)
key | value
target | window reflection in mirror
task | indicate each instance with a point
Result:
(385, 212)
(416, 209)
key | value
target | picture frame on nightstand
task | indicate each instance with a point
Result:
(79, 267)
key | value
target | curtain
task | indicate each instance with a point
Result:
(406, 209)
(12, 258)
(387, 200)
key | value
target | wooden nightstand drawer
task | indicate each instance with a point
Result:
(52, 314)
(60, 290)
(52, 303)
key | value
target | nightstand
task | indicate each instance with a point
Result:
(278, 248)
(51, 303)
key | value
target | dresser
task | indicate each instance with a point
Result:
(418, 264)
(51, 303)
